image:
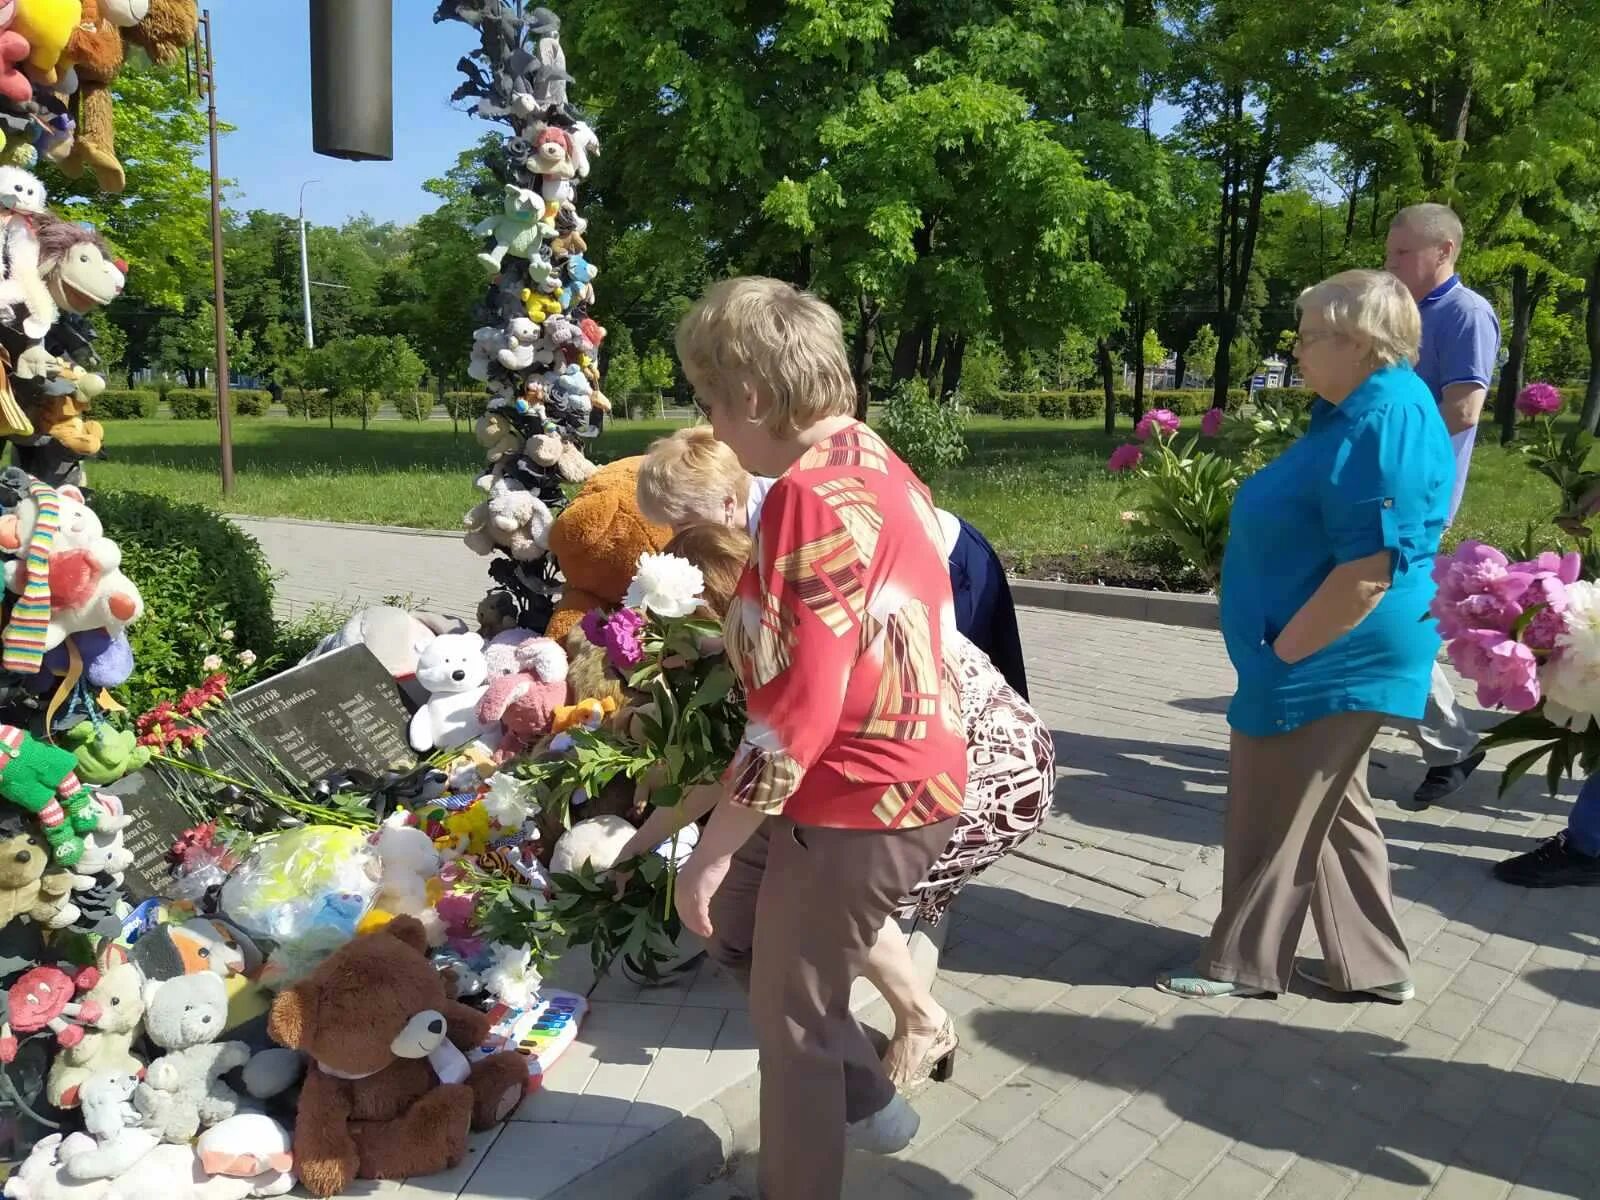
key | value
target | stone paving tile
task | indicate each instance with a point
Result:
(1487, 1086)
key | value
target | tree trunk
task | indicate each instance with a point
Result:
(1138, 360)
(936, 363)
(1180, 367)
(1591, 321)
(952, 367)
(908, 351)
(866, 342)
(802, 266)
(1246, 248)
(925, 354)
(1102, 350)
(438, 389)
(1524, 300)
(1350, 209)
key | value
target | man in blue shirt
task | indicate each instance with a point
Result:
(1460, 345)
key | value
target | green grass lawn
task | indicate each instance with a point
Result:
(1037, 488)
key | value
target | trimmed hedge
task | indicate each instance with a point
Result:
(466, 406)
(190, 404)
(1087, 403)
(121, 404)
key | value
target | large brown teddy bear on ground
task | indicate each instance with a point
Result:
(597, 540)
(388, 1094)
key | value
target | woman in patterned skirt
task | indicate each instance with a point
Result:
(1010, 777)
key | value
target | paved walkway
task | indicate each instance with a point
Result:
(1076, 1078)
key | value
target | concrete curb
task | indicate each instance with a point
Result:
(1194, 611)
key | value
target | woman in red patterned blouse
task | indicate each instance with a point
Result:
(850, 775)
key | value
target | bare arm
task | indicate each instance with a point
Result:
(1346, 598)
(1462, 406)
(664, 822)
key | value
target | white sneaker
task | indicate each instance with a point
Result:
(887, 1131)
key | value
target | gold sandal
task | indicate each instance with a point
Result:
(938, 1062)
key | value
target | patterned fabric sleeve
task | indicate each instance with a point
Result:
(799, 635)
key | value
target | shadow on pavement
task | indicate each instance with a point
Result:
(1352, 1100)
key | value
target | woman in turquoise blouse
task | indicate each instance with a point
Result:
(1325, 584)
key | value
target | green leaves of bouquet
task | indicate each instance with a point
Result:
(629, 921)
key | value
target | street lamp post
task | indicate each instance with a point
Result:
(305, 271)
(206, 73)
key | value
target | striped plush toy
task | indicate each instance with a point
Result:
(43, 780)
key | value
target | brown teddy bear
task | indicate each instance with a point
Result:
(96, 54)
(598, 539)
(25, 889)
(389, 1093)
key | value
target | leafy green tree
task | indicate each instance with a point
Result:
(1201, 355)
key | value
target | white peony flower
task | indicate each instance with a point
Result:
(1570, 679)
(506, 801)
(247, 658)
(512, 978)
(211, 663)
(666, 585)
(226, 635)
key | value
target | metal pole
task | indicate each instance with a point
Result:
(305, 271)
(207, 73)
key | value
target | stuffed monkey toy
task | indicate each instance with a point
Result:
(96, 52)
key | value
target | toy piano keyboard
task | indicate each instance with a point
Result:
(540, 1033)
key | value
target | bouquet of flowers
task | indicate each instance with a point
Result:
(680, 734)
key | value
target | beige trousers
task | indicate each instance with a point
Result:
(1301, 835)
(793, 922)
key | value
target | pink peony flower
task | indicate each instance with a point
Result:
(593, 625)
(1538, 400)
(1506, 672)
(1211, 423)
(1124, 458)
(622, 639)
(1158, 422)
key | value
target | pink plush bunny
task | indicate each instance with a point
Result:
(524, 699)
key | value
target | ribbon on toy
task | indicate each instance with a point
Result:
(69, 684)
(13, 421)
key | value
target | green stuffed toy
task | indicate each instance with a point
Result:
(106, 754)
(43, 780)
(515, 231)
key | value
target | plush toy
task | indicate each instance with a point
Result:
(95, 51)
(170, 1172)
(409, 861)
(581, 274)
(173, 951)
(543, 302)
(14, 49)
(26, 890)
(61, 417)
(598, 539)
(166, 30)
(590, 675)
(390, 1093)
(48, 25)
(515, 230)
(597, 842)
(103, 849)
(396, 637)
(498, 437)
(104, 753)
(569, 231)
(588, 714)
(247, 1146)
(42, 779)
(524, 701)
(513, 518)
(79, 269)
(111, 1119)
(554, 153)
(43, 998)
(497, 614)
(21, 284)
(522, 346)
(455, 674)
(183, 1090)
(550, 450)
(108, 1047)
(585, 148)
(107, 660)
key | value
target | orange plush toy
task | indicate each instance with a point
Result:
(95, 51)
(597, 540)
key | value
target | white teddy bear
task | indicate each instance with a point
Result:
(455, 674)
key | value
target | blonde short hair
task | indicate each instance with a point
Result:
(1437, 223)
(782, 341)
(688, 477)
(721, 552)
(1371, 307)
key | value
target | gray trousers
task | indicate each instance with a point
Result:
(1444, 734)
(1300, 838)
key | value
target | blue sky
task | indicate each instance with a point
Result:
(264, 89)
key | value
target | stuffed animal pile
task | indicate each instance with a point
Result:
(58, 59)
(537, 348)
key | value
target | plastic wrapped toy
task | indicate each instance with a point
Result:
(312, 884)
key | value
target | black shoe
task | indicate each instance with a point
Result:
(1553, 864)
(1441, 782)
